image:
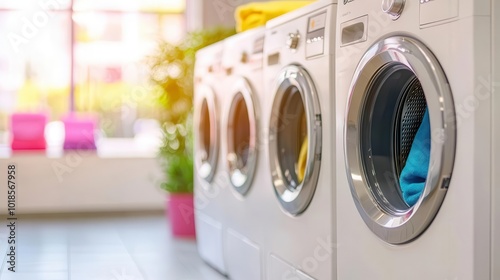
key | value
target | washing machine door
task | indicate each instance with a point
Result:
(206, 144)
(241, 136)
(398, 90)
(295, 139)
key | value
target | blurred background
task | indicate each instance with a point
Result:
(86, 56)
(124, 64)
(91, 56)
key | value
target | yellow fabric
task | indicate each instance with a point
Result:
(258, 13)
(302, 162)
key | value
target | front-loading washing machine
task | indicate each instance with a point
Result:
(416, 196)
(209, 181)
(299, 109)
(243, 156)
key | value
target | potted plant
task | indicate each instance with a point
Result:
(172, 69)
(177, 164)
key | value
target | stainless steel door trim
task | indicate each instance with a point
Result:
(240, 179)
(206, 167)
(398, 227)
(295, 200)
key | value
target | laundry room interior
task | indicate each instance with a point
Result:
(249, 139)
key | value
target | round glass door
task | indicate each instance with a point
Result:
(205, 125)
(241, 137)
(399, 138)
(295, 139)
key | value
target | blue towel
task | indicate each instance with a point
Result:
(414, 174)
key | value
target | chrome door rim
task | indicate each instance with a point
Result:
(403, 226)
(206, 167)
(295, 201)
(241, 180)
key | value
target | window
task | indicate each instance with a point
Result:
(99, 68)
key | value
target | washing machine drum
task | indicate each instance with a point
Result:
(206, 144)
(399, 138)
(295, 139)
(241, 137)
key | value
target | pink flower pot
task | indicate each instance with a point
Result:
(181, 215)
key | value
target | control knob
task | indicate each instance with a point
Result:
(293, 40)
(394, 8)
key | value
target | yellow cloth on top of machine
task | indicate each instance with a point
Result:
(257, 14)
(302, 162)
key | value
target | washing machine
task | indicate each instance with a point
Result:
(243, 157)
(209, 181)
(299, 109)
(416, 196)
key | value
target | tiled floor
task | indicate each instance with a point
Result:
(125, 247)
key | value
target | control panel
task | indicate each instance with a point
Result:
(437, 10)
(315, 38)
